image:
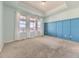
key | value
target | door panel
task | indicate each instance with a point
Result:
(66, 29)
(75, 29)
(59, 29)
(52, 29)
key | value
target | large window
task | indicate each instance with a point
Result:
(35, 24)
(22, 24)
(32, 24)
(38, 25)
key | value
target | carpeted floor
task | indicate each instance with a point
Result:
(41, 47)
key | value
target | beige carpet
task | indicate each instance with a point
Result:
(41, 47)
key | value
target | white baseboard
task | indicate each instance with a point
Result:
(9, 41)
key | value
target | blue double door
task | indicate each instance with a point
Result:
(63, 29)
(50, 29)
(59, 29)
(75, 29)
(67, 29)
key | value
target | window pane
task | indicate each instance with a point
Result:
(22, 22)
(22, 25)
(31, 24)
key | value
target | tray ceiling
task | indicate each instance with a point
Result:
(46, 7)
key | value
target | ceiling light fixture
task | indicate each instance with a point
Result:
(43, 2)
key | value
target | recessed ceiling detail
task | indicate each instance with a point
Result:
(45, 6)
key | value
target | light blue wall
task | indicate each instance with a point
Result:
(1, 28)
(9, 19)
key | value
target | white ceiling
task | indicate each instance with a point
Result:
(48, 6)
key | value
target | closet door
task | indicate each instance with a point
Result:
(75, 29)
(66, 29)
(59, 29)
(52, 29)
